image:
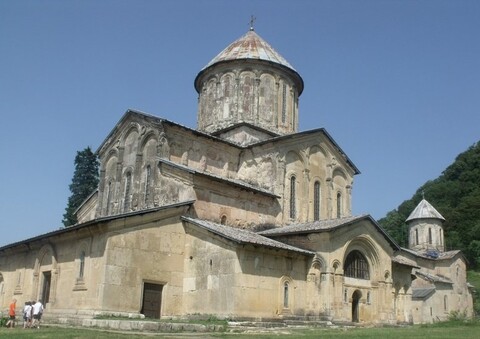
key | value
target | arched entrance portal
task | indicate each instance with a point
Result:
(355, 301)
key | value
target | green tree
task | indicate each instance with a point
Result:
(84, 182)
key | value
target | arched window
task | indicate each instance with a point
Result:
(292, 197)
(445, 303)
(356, 266)
(148, 178)
(82, 265)
(316, 201)
(285, 295)
(223, 220)
(339, 205)
(430, 236)
(128, 184)
(416, 236)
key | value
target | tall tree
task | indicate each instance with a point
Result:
(84, 182)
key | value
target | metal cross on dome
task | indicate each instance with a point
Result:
(252, 20)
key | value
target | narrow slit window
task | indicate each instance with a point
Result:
(148, 178)
(339, 205)
(292, 198)
(285, 295)
(284, 103)
(81, 271)
(316, 201)
(128, 184)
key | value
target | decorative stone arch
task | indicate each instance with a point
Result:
(45, 272)
(267, 97)
(132, 127)
(317, 267)
(108, 181)
(145, 139)
(294, 197)
(339, 190)
(367, 247)
(82, 264)
(286, 295)
(336, 266)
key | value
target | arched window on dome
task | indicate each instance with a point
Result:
(316, 201)
(356, 266)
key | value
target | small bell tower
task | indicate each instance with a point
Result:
(425, 226)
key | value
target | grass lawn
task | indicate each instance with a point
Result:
(446, 330)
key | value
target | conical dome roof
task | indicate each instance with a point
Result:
(424, 210)
(251, 47)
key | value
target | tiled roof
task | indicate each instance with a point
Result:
(425, 211)
(432, 277)
(321, 225)
(422, 293)
(238, 183)
(242, 236)
(426, 254)
(404, 261)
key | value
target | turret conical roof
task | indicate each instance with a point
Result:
(424, 210)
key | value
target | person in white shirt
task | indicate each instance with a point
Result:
(37, 314)
(27, 314)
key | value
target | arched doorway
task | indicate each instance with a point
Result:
(355, 301)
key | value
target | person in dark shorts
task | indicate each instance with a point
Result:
(37, 314)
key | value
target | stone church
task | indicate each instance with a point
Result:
(243, 217)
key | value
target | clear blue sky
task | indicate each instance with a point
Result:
(396, 83)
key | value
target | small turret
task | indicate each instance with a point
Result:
(425, 225)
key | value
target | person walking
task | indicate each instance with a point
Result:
(27, 314)
(37, 314)
(11, 313)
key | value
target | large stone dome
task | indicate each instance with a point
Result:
(248, 83)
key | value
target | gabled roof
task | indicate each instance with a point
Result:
(438, 255)
(306, 133)
(405, 262)
(158, 120)
(238, 183)
(242, 236)
(94, 222)
(422, 293)
(432, 277)
(327, 226)
(424, 210)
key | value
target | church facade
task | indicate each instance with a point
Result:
(244, 217)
